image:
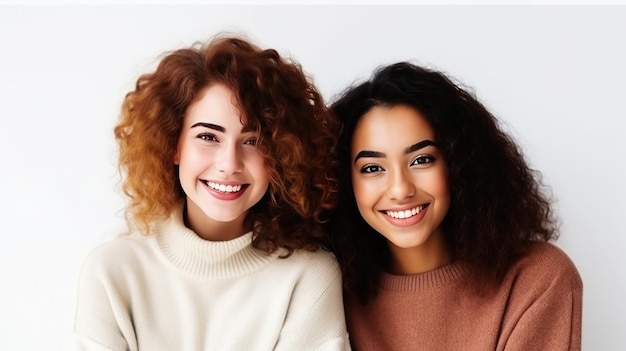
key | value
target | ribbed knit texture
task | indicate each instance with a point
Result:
(429, 280)
(214, 259)
(537, 307)
(175, 291)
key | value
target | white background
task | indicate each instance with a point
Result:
(554, 74)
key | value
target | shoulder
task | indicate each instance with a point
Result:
(548, 257)
(315, 278)
(314, 260)
(546, 264)
(319, 268)
(117, 255)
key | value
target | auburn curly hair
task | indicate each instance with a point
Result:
(497, 203)
(276, 98)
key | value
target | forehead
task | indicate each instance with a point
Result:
(214, 102)
(384, 128)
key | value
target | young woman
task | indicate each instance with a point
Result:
(225, 152)
(442, 228)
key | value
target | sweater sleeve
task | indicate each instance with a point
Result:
(315, 320)
(551, 307)
(100, 312)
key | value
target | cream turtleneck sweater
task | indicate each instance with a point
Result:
(175, 291)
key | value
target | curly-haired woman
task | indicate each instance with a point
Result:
(442, 227)
(225, 152)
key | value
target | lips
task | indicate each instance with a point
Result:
(405, 213)
(405, 218)
(225, 191)
(224, 188)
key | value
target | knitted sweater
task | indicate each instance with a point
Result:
(537, 307)
(175, 291)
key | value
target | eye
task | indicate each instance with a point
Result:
(207, 137)
(371, 169)
(422, 160)
(251, 141)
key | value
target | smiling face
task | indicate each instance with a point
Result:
(220, 168)
(401, 187)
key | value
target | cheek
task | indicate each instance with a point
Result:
(256, 166)
(441, 187)
(192, 156)
(185, 151)
(363, 192)
(192, 163)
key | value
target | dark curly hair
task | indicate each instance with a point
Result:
(277, 100)
(497, 203)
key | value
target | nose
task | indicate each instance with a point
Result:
(229, 160)
(400, 185)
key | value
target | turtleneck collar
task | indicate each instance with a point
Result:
(217, 259)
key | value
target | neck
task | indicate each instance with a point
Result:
(429, 256)
(209, 229)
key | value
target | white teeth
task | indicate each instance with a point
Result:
(405, 214)
(224, 188)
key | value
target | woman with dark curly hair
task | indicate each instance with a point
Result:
(225, 152)
(442, 228)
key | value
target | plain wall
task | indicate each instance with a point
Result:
(554, 75)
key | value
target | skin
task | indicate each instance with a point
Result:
(220, 168)
(398, 171)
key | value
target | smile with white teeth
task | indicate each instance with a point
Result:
(224, 188)
(405, 214)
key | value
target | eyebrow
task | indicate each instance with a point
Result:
(422, 144)
(377, 154)
(219, 128)
(210, 126)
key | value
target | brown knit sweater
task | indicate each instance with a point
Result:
(537, 307)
